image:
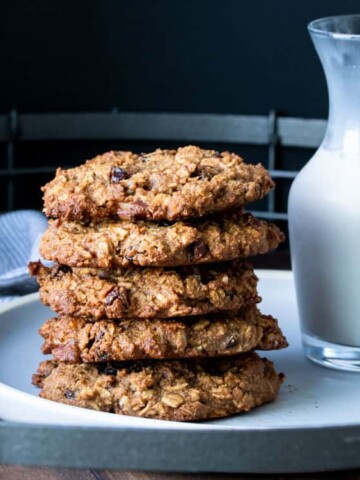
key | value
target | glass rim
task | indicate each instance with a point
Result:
(315, 28)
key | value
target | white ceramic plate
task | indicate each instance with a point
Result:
(311, 396)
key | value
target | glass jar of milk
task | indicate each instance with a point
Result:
(324, 208)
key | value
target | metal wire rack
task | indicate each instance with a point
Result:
(271, 131)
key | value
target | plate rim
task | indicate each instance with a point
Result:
(314, 449)
(69, 410)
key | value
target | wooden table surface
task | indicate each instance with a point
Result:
(20, 473)
(9, 472)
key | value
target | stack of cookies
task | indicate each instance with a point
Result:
(157, 307)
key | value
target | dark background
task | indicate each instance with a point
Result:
(228, 56)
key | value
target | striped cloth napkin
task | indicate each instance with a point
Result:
(20, 234)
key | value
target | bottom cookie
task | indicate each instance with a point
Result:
(176, 390)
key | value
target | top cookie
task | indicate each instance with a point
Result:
(163, 185)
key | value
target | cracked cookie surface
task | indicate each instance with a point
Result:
(167, 390)
(216, 238)
(146, 292)
(163, 185)
(75, 340)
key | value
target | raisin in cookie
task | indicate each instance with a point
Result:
(163, 185)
